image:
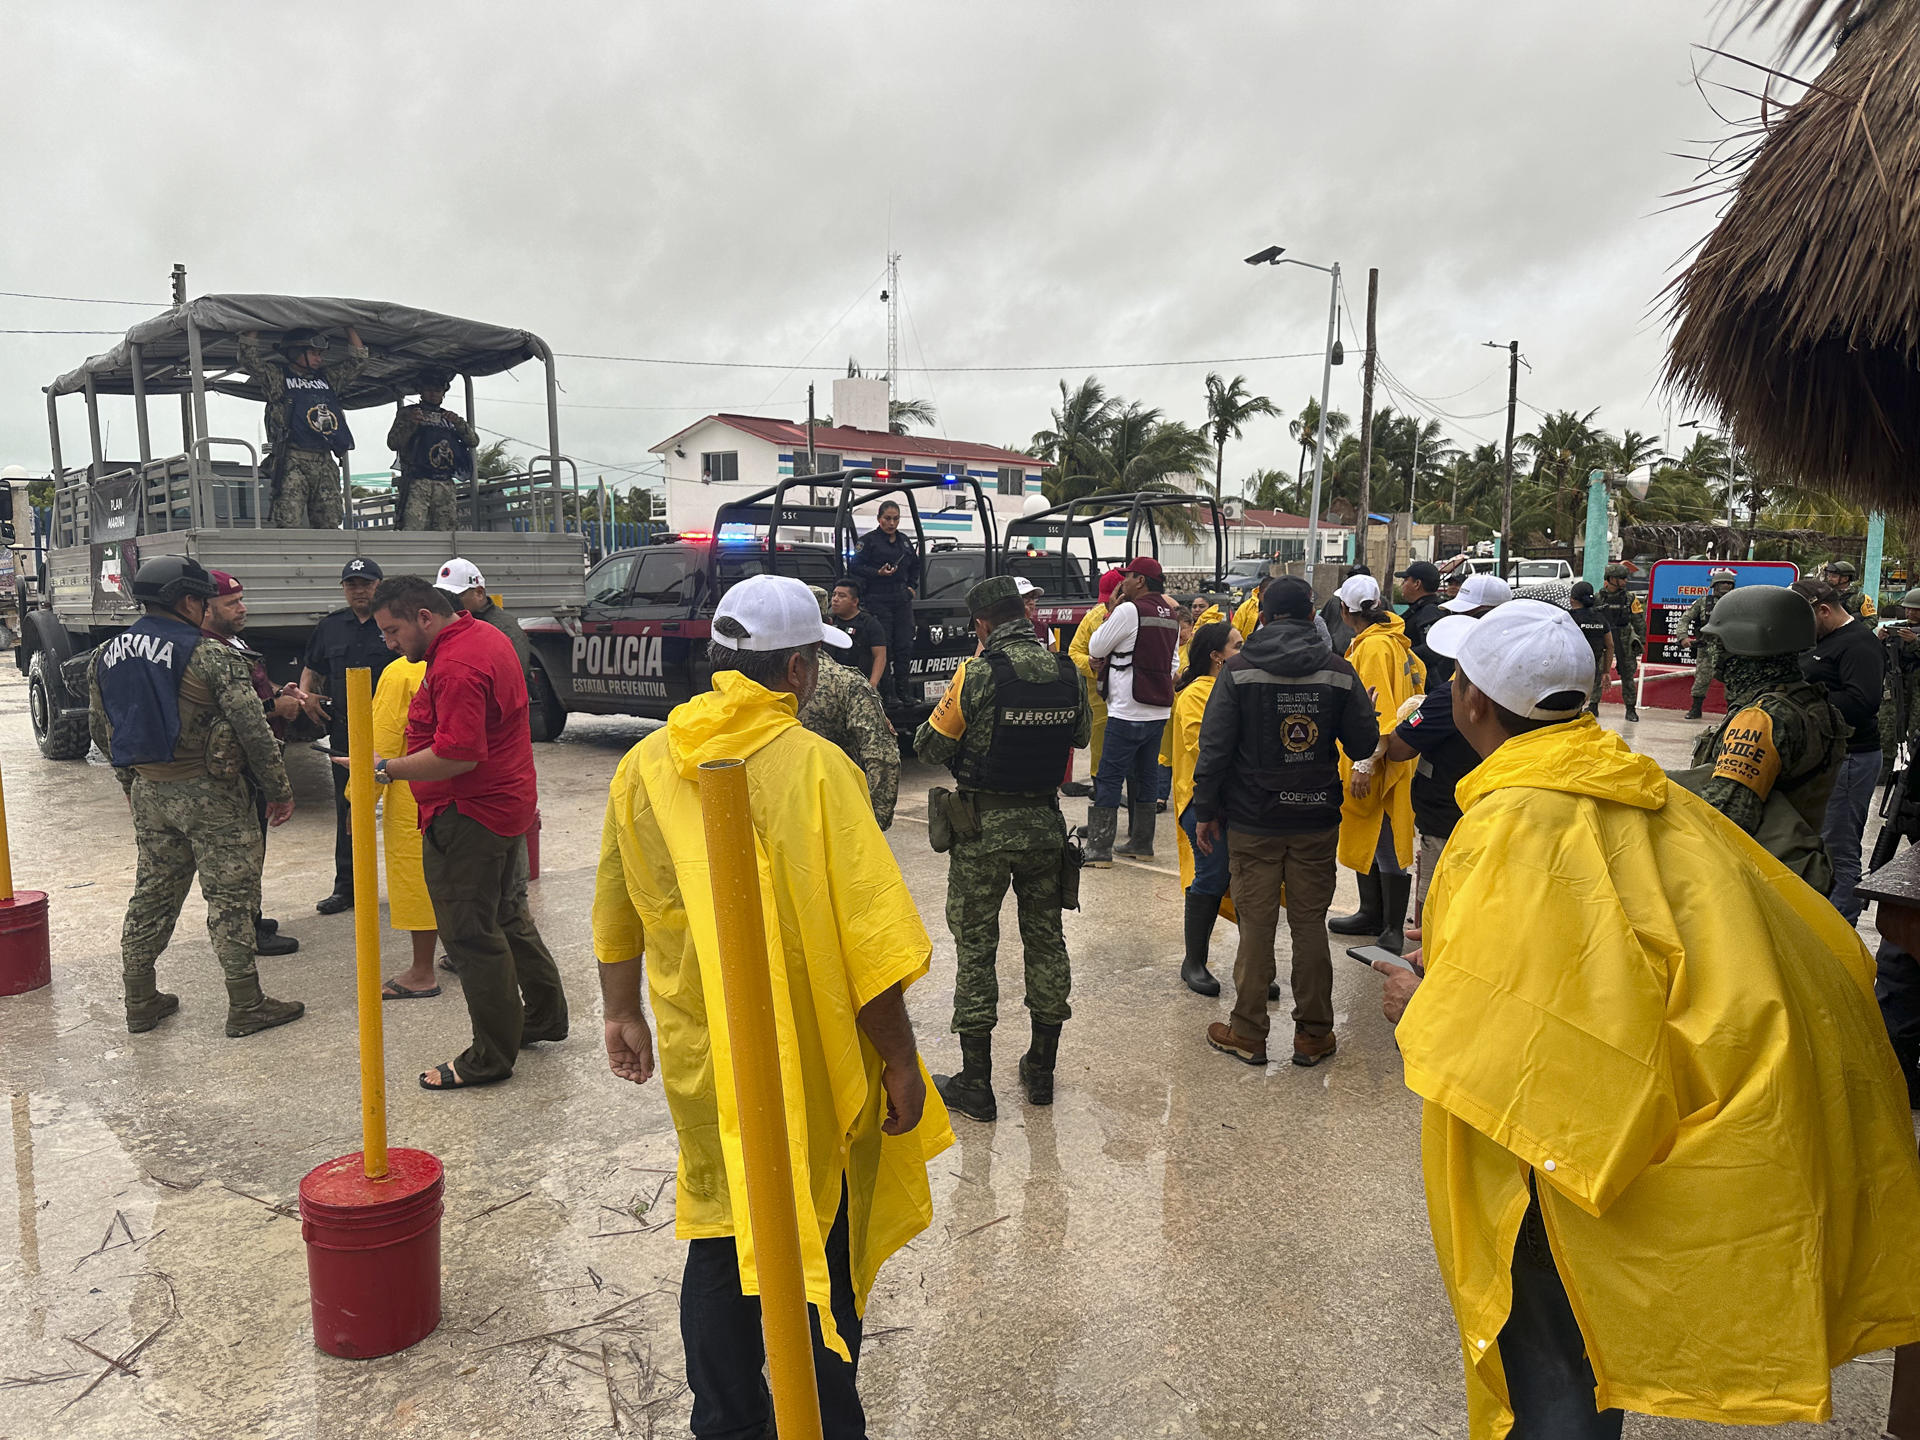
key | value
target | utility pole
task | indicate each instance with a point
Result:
(186, 401)
(813, 456)
(1366, 422)
(892, 296)
(1506, 480)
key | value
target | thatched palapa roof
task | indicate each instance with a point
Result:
(1799, 319)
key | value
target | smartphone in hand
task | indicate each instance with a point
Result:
(1368, 954)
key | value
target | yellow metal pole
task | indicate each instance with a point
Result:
(6, 853)
(366, 923)
(755, 1045)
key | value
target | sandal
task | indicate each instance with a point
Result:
(446, 964)
(450, 1079)
(394, 990)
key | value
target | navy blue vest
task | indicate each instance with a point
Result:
(315, 420)
(140, 672)
(437, 451)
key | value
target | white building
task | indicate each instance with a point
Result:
(728, 457)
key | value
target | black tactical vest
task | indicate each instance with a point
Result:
(315, 420)
(437, 449)
(1033, 725)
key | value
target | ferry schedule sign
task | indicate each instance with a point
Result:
(1674, 585)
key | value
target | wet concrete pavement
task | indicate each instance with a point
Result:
(1180, 1246)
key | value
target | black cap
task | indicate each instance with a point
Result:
(1582, 591)
(1425, 571)
(361, 568)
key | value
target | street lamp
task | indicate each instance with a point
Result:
(1276, 255)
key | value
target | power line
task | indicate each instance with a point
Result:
(80, 299)
(61, 332)
(946, 369)
(828, 331)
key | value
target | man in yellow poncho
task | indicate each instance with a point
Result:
(1668, 1165)
(1079, 651)
(843, 941)
(1376, 819)
(409, 907)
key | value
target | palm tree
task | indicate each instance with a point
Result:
(1080, 424)
(1306, 429)
(902, 413)
(1268, 489)
(1229, 407)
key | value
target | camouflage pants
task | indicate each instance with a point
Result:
(309, 497)
(1628, 666)
(429, 505)
(977, 879)
(181, 826)
(1706, 664)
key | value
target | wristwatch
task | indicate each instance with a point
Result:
(380, 775)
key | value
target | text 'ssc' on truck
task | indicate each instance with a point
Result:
(638, 644)
(210, 499)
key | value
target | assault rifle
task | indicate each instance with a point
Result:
(1900, 801)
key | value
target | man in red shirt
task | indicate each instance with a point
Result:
(470, 762)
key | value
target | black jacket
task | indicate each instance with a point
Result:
(1852, 668)
(1267, 762)
(1420, 617)
(877, 550)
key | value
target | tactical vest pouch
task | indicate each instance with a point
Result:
(950, 817)
(1783, 831)
(224, 757)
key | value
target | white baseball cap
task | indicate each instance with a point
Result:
(778, 612)
(458, 576)
(1520, 654)
(1026, 587)
(1477, 590)
(1358, 590)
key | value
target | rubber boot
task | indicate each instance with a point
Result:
(1102, 821)
(970, 1093)
(147, 1006)
(272, 942)
(1398, 889)
(1036, 1066)
(249, 1011)
(1365, 920)
(1140, 839)
(1693, 710)
(1202, 911)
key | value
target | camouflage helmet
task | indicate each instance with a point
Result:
(165, 578)
(1840, 567)
(1721, 575)
(1763, 620)
(298, 342)
(1616, 571)
(1910, 600)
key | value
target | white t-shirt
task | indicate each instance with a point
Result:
(1116, 636)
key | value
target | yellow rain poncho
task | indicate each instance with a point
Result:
(1080, 651)
(1182, 752)
(1630, 1000)
(408, 905)
(841, 929)
(1383, 657)
(1248, 615)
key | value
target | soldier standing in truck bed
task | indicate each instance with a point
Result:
(306, 423)
(436, 448)
(1005, 727)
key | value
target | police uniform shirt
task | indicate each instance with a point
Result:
(1445, 759)
(1595, 625)
(867, 636)
(340, 643)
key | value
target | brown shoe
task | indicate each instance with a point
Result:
(1312, 1049)
(1222, 1038)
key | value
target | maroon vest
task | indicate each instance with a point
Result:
(1154, 647)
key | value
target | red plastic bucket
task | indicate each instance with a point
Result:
(26, 956)
(373, 1253)
(533, 848)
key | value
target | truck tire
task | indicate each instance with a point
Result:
(547, 717)
(60, 735)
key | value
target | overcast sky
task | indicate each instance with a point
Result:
(1071, 187)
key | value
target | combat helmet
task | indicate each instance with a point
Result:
(1840, 567)
(1763, 620)
(165, 578)
(1616, 571)
(298, 342)
(1910, 600)
(1721, 575)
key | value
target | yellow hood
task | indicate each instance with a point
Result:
(1578, 758)
(732, 721)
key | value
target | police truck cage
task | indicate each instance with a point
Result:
(210, 496)
(797, 504)
(1060, 548)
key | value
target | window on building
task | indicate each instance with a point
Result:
(720, 467)
(893, 464)
(829, 462)
(1013, 480)
(801, 465)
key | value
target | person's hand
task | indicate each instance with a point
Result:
(886, 569)
(279, 811)
(353, 338)
(1360, 782)
(285, 707)
(906, 1098)
(346, 761)
(1206, 834)
(315, 707)
(1397, 991)
(630, 1049)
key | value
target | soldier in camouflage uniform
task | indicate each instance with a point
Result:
(306, 424)
(1005, 728)
(1841, 574)
(179, 719)
(435, 448)
(1628, 618)
(1781, 734)
(847, 710)
(1706, 649)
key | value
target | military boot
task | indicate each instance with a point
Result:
(1633, 715)
(249, 1011)
(1140, 837)
(1036, 1066)
(267, 939)
(1397, 890)
(1102, 821)
(970, 1093)
(1202, 912)
(1693, 710)
(147, 1006)
(1366, 920)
